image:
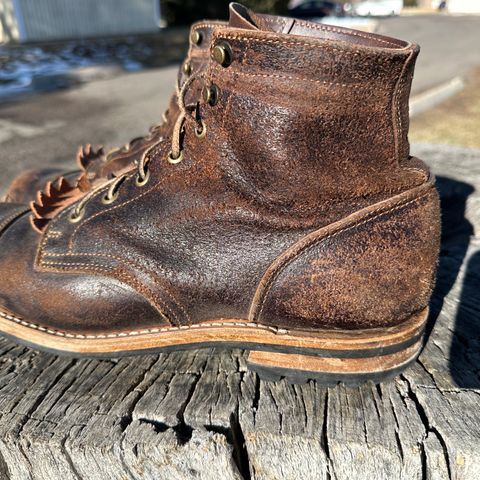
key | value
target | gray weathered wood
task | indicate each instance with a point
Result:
(202, 414)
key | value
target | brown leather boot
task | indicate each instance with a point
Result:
(96, 165)
(283, 215)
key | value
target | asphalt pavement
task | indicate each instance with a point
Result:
(47, 129)
(450, 45)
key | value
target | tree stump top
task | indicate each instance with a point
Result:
(202, 415)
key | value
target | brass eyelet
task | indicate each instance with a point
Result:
(187, 68)
(222, 54)
(171, 159)
(139, 182)
(210, 94)
(196, 37)
(107, 200)
(74, 217)
(201, 132)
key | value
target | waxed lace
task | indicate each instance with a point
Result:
(143, 172)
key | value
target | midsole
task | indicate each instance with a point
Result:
(327, 343)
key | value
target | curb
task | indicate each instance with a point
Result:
(433, 97)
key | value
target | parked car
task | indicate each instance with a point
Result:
(439, 4)
(378, 8)
(317, 9)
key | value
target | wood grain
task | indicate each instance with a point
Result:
(202, 415)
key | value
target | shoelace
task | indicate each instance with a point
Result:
(176, 154)
(143, 173)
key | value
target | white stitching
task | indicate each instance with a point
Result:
(212, 25)
(137, 332)
(233, 72)
(312, 44)
(327, 28)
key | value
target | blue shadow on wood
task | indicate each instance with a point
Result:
(464, 358)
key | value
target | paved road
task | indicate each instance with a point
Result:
(48, 129)
(450, 45)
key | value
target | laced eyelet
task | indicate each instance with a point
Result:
(107, 199)
(140, 182)
(210, 94)
(222, 54)
(75, 216)
(171, 159)
(202, 131)
(187, 69)
(196, 37)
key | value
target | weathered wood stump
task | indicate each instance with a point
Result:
(201, 414)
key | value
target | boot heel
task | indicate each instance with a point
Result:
(345, 357)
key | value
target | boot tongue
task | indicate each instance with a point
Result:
(243, 17)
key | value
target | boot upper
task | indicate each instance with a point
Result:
(308, 128)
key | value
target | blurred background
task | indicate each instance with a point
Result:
(87, 71)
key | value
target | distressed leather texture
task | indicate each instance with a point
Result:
(358, 271)
(309, 135)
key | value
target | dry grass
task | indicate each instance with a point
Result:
(454, 122)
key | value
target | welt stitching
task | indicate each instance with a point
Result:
(122, 276)
(127, 262)
(373, 215)
(145, 331)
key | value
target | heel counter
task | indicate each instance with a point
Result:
(373, 269)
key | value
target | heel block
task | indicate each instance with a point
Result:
(374, 355)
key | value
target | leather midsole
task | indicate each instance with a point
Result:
(241, 333)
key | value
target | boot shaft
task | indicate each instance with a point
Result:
(319, 110)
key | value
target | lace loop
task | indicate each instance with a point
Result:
(143, 173)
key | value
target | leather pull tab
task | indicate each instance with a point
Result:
(241, 17)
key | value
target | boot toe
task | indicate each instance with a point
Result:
(57, 302)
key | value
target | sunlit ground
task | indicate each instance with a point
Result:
(454, 122)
